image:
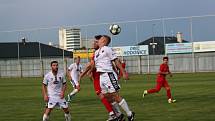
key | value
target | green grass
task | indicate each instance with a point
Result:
(21, 100)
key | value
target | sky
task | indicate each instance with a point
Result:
(32, 14)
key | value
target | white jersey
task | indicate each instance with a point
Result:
(54, 84)
(75, 71)
(103, 58)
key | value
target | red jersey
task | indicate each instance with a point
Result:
(96, 82)
(163, 68)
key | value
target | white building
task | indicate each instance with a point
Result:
(69, 39)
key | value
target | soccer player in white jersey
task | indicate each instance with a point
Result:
(53, 89)
(104, 57)
(73, 74)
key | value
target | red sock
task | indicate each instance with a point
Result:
(107, 105)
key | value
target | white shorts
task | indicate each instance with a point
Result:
(57, 102)
(74, 83)
(109, 82)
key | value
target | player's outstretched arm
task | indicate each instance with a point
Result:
(119, 65)
(87, 69)
(68, 74)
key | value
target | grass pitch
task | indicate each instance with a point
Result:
(21, 99)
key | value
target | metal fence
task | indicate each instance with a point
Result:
(179, 63)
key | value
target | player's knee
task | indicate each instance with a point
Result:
(167, 88)
(117, 97)
(100, 95)
(78, 88)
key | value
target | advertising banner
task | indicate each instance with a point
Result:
(131, 50)
(175, 48)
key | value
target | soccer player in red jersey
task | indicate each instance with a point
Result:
(161, 81)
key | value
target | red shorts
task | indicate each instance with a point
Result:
(162, 82)
(96, 82)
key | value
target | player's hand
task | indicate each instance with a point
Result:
(46, 98)
(125, 76)
(61, 95)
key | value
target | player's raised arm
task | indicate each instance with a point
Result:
(119, 65)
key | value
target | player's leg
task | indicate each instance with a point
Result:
(103, 99)
(49, 106)
(168, 92)
(46, 114)
(64, 105)
(123, 104)
(112, 87)
(76, 89)
(153, 90)
(67, 114)
(103, 82)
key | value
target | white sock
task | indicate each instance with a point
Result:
(73, 92)
(68, 117)
(116, 108)
(125, 107)
(111, 113)
(45, 117)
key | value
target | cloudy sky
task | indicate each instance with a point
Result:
(29, 14)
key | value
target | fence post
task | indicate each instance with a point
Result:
(41, 68)
(148, 65)
(19, 66)
(139, 65)
(65, 65)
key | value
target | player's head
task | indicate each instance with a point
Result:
(95, 42)
(54, 66)
(77, 59)
(104, 41)
(165, 59)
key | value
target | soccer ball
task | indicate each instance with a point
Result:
(115, 29)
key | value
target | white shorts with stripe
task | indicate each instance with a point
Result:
(109, 82)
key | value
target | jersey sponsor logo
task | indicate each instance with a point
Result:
(56, 82)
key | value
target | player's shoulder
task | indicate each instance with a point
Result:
(106, 48)
(47, 75)
(72, 64)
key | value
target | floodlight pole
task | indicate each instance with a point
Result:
(136, 34)
(191, 38)
(164, 36)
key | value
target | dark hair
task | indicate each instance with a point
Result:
(108, 39)
(54, 62)
(97, 37)
(165, 58)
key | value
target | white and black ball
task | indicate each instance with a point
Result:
(115, 29)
